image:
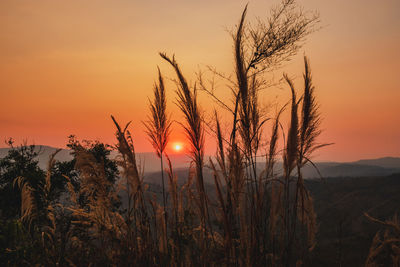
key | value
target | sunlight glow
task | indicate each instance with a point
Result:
(178, 147)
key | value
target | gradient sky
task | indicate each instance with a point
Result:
(67, 65)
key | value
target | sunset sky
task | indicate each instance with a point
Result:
(67, 65)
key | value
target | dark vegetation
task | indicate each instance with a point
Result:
(344, 232)
(93, 211)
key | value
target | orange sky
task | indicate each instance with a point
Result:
(67, 65)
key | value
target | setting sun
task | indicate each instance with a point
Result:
(178, 147)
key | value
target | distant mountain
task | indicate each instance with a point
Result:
(369, 167)
(150, 163)
(44, 154)
(182, 175)
(387, 162)
(356, 170)
(345, 169)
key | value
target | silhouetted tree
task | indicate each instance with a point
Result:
(20, 162)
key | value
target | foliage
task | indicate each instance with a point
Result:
(20, 162)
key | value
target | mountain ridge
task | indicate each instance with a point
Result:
(363, 167)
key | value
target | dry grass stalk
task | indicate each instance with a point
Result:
(194, 129)
(158, 129)
(385, 251)
(28, 204)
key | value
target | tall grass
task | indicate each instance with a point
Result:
(385, 249)
(158, 129)
(257, 218)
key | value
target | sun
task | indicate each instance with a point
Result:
(177, 147)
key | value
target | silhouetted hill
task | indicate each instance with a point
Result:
(345, 234)
(150, 161)
(182, 175)
(387, 162)
(354, 170)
